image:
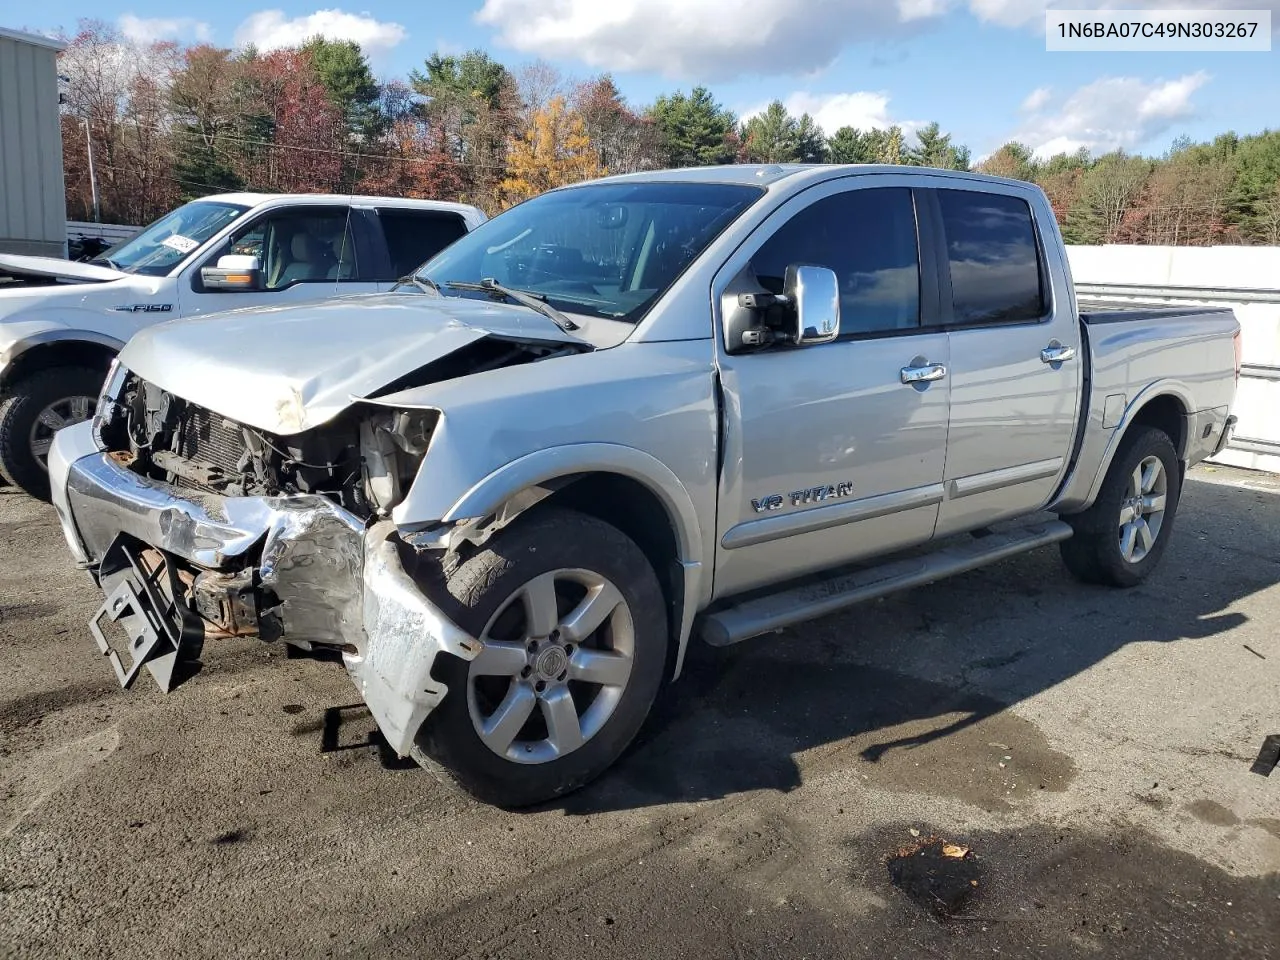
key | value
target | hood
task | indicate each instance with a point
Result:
(290, 368)
(12, 265)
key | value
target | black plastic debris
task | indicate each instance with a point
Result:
(1268, 756)
(940, 876)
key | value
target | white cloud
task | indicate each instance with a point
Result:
(862, 109)
(701, 40)
(716, 40)
(152, 29)
(922, 9)
(1036, 99)
(271, 29)
(1109, 114)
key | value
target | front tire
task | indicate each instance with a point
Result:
(1120, 539)
(35, 408)
(574, 632)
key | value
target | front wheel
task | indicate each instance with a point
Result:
(37, 406)
(1120, 539)
(574, 640)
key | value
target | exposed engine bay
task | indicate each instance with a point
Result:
(363, 460)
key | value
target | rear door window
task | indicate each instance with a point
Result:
(415, 236)
(993, 258)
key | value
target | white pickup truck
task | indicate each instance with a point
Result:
(694, 403)
(62, 322)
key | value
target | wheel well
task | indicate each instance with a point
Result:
(635, 510)
(1166, 413)
(59, 353)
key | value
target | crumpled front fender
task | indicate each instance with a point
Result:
(405, 632)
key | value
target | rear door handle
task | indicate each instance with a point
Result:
(1055, 352)
(924, 373)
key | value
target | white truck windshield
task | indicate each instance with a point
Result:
(157, 249)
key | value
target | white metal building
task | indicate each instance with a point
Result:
(33, 211)
(1247, 279)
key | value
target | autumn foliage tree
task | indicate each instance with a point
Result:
(554, 151)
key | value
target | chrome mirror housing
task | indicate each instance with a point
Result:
(814, 296)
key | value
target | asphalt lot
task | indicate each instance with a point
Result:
(1091, 748)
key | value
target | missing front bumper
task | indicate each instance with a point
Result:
(321, 576)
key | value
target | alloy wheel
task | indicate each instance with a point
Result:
(1142, 509)
(554, 664)
(59, 414)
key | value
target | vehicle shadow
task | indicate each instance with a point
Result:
(894, 678)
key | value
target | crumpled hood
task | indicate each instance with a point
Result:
(12, 265)
(290, 368)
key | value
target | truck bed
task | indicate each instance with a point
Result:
(1186, 353)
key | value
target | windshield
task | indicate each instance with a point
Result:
(160, 247)
(607, 250)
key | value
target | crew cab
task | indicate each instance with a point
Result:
(61, 322)
(627, 415)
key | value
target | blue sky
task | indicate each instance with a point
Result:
(979, 67)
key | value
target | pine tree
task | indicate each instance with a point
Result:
(694, 130)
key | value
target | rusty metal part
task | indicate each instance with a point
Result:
(226, 603)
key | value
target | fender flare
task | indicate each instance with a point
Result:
(552, 463)
(1153, 391)
(57, 335)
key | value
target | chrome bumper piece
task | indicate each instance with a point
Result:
(337, 582)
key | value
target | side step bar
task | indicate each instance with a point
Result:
(817, 599)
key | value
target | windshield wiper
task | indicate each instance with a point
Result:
(525, 299)
(110, 263)
(425, 284)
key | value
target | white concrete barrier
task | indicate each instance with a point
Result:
(1247, 279)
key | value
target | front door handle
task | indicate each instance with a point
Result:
(923, 373)
(1055, 352)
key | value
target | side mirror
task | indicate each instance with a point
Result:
(233, 272)
(813, 293)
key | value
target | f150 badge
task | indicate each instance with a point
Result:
(828, 491)
(144, 308)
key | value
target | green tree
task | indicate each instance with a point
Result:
(1108, 191)
(1255, 162)
(770, 137)
(474, 104)
(935, 149)
(202, 98)
(693, 130)
(850, 145)
(1011, 160)
(811, 144)
(474, 75)
(344, 72)
(887, 146)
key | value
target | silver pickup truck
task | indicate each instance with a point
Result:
(701, 403)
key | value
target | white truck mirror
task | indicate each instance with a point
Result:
(233, 272)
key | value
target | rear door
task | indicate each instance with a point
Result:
(834, 451)
(412, 237)
(1016, 362)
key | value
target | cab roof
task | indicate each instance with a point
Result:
(765, 175)
(258, 199)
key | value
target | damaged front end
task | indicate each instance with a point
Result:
(199, 528)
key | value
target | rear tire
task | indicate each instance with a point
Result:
(1120, 539)
(64, 395)
(557, 599)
